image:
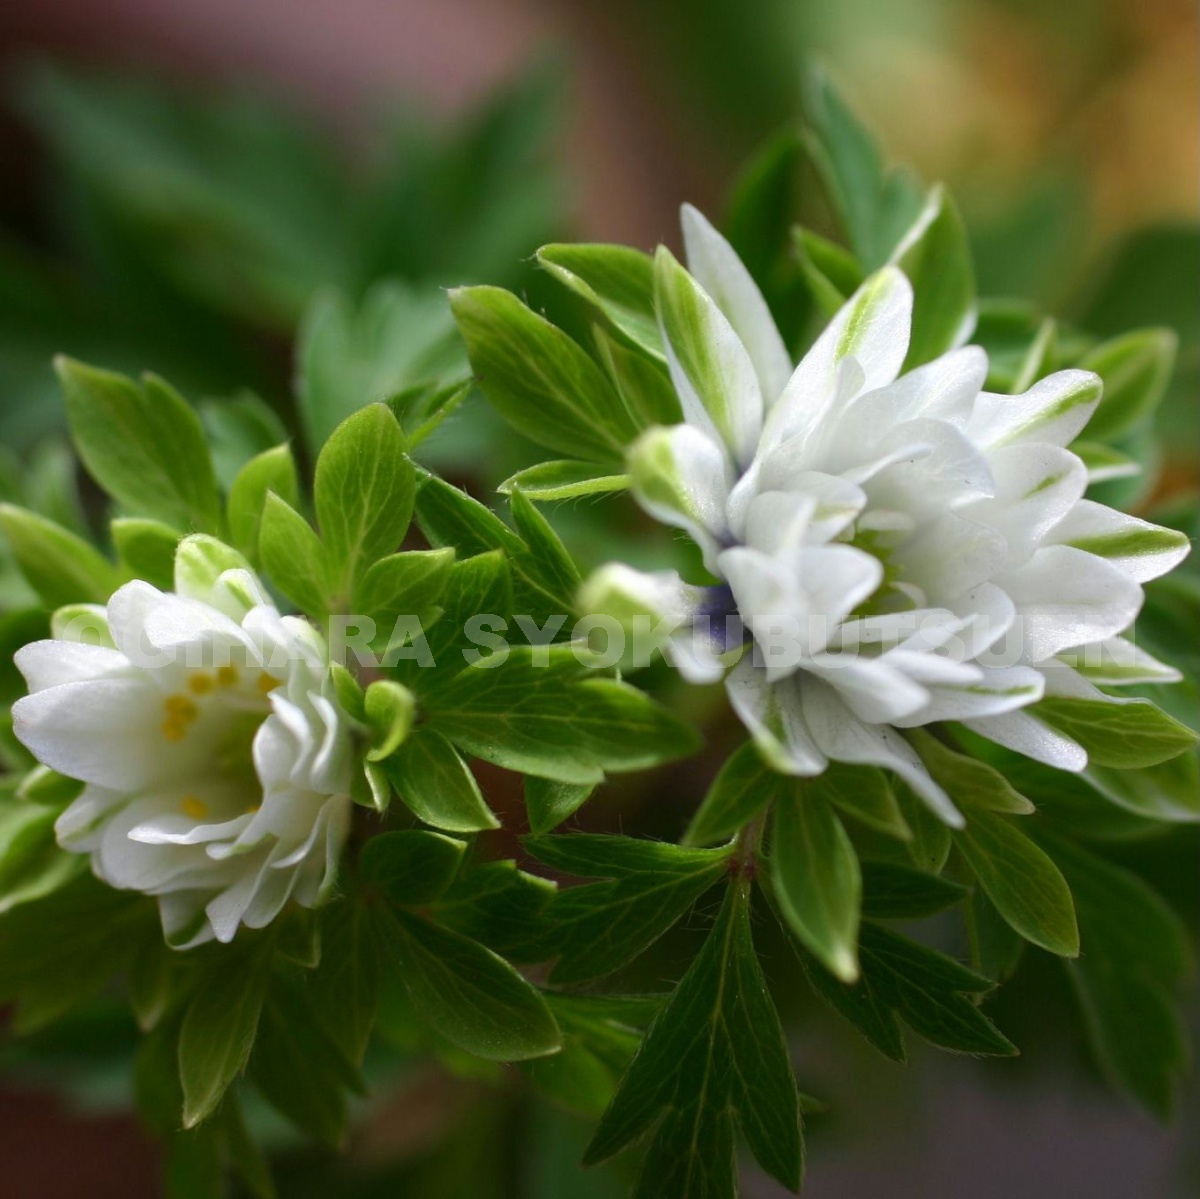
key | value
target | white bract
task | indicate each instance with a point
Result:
(216, 760)
(898, 548)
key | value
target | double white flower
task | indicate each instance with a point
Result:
(880, 536)
(216, 760)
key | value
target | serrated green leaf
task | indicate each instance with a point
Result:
(816, 879)
(904, 979)
(894, 892)
(714, 1061)
(1135, 954)
(468, 994)
(546, 560)
(146, 549)
(744, 787)
(1125, 735)
(500, 905)
(273, 470)
(293, 557)
(437, 786)
(413, 866)
(297, 1065)
(596, 929)
(143, 444)
(1136, 369)
(1022, 882)
(344, 988)
(969, 782)
(540, 380)
(555, 720)
(408, 584)
(549, 803)
(616, 279)
(61, 567)
(218, 1030)
(363, 493)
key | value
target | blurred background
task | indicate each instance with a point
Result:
(178, 180)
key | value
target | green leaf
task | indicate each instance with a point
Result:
(714, 1061)
(894, 892)
(564, 479)
(1135, 955)
(935, 256)
(293, 557)
(547, 560)
(543, 384)
(500, 905)
(363, 493)
(61, 567)
(596, 929)
(1126, 735)
(864, 793)
(1136, 369)
(399, 338)
(968, 781)
(344, 988)
(903, 979)
(640, 378)
(1021, 880)
(390, 709)
(555, 720)
(143, 444)
(407, 584)
(744, 787)
(411, 867)
(549, 803)
(1104, 463)
(616, 279)
(219, 1026)
(816, 879)
(831, 273)
(271, 471)
(297, 1065)
(468, 994)
(31, 863)
(437, 786)
(146, 549)
(200, 560)
(874, 207)
(238, 429)
(929, 845)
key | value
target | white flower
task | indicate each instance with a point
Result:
(902, 549)
(216, 760)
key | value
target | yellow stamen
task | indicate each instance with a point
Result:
(174, 730)
(179, 707)
(201, 684)
(227, 676)
(193, 806)
(267, 683)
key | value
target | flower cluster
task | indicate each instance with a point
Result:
(899, 547)
(216, 760)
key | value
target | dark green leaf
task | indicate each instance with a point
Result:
(411, 867)
(564, 479)
(744, 787)
(468, 994)
(61, 567)
(1122, 735)
(437, 786)
(548, 803)
(146, 549)
(893, 892)
(714, 1060)
(273, 470)
(293, 556)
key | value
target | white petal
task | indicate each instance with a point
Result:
(872, 688)
(1066, 597)
(774, 717)
(951, 556)
(1116, 662)
(1036, 487)
(713, 375)
(51, 663)
(1142, 550)
(1024, 734)
(944, 389)
(872, 329)
(1002, 689)
(1054, 410)
(714, 264)
(842, 737)
(103, 731)
(76, 829)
